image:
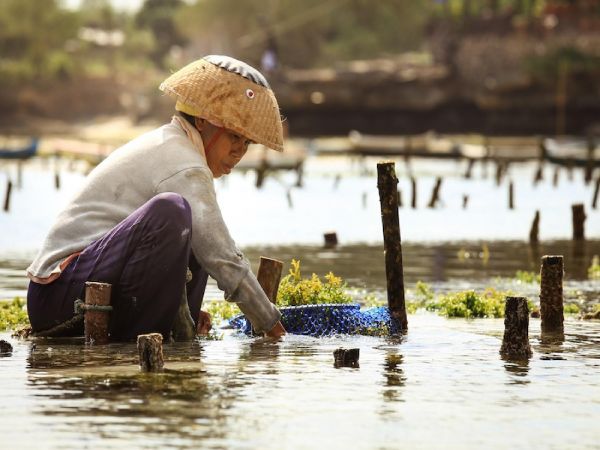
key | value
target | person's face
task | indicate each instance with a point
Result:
(225, 152)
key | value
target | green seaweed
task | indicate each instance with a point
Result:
(13, 314)
(295, 290)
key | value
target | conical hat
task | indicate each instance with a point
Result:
(231, 94)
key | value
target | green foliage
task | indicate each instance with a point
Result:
(309, 32)
(527, 277)
(562, 61)
(594, 269)
(571, 308)
(33, 39)
(470, 304)
(221, 310)
(13, 314)
(295, 291)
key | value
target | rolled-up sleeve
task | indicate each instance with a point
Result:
(216, 251)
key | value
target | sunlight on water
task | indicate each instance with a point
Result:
(443, 385)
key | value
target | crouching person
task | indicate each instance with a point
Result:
(147, 217)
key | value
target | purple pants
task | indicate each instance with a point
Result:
(145, 258)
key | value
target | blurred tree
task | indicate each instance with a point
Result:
(33, 38)
(307, 33)
(157, 16)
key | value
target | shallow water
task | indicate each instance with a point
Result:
(443, 385)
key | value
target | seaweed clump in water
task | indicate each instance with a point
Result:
(296, 291)
(13, 314)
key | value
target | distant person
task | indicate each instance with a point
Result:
(269, 63)
(149, 211)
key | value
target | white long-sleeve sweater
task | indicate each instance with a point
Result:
(162, 160)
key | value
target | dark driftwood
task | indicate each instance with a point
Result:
(535, 229)
(515, 344)
(387, 184)
(346, 357)
(150, 351)
(578, 222)
(551, 294)
(269, 275)
(96, 320)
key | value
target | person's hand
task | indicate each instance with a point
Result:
(204, 323)
(276, 332)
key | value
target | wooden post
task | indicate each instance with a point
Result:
(596, 189)
(465, 201)
(413, 201)
(551, 294)
(150, 352)
(288, 196)
(578, 222)
(7, 195)
(535, 229)
(436, 193)
(300, 175)
(57, 180)
(589, 166)
(555, 176)
(5, 347)
(331, 239)
(469, 170)
(515, 343)
(19, 174)
(511, 196)
(364, 200)
(269, 274)
(346, 357)
(498, 172)
(387, 185)
(97, 311)
(539, 175)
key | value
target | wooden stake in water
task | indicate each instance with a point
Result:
(269, 275)
(413, 201)
(551, 294)
(595, 196)
(515, 343)
(387, 183)
(97, 312)
(511, 195)
(535, 229)
(465, 201)
(578, 222)
(436, 193)
(346, 357)
(150, 352)
(331, 239)
(7, 195)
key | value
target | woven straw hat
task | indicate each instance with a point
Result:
(230, 94)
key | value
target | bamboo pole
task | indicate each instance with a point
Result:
(387, 185)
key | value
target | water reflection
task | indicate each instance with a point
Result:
(517, 371)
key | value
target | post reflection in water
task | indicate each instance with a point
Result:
(517, 371)
(394, 377)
